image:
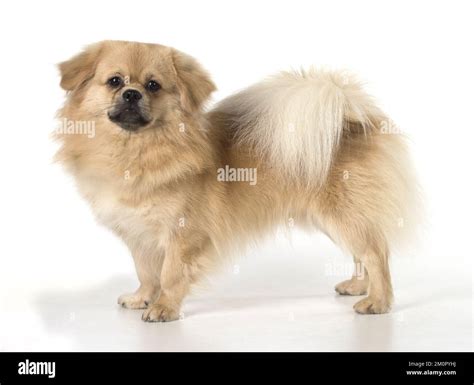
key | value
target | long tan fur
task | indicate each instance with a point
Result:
(312, 144)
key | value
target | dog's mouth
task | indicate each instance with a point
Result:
(130, 118)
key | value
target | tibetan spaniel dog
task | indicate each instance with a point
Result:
(185, 186)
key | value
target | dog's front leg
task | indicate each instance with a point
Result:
(148, 266)
(183, 265)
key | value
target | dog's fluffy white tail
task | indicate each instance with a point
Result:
(296, 119)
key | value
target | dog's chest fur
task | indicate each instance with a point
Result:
(149, 223)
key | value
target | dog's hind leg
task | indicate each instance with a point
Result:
(359, 282)
(372, 250)
(380, 293)
(365, 240)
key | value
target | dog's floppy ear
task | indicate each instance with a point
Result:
(194, 83)
(76, 71)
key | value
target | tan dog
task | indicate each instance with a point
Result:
(184, 188)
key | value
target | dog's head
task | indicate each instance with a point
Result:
(134, 86)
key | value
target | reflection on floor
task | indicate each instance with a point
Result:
(264, 304)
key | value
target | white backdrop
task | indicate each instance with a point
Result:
(60, 273)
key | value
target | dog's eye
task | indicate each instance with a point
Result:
(115, 82)
(153, 86)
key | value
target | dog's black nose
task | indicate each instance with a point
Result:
(131, 96)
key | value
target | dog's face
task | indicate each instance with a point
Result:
(134, 86)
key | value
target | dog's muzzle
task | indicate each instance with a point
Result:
(128, 114)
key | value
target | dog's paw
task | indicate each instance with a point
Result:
(134, 301)
(370, 305)
(352, 287)
(160, 313)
